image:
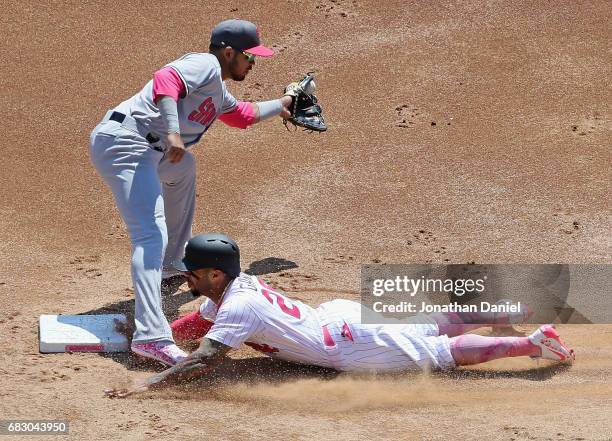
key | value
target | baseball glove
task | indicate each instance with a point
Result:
(305, 110)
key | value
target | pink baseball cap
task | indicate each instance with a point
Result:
(241, 35)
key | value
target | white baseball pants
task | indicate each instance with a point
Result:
(355, 347)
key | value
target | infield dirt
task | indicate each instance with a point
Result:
(459, 131)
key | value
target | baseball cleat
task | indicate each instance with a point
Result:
(168, 354)
(547, 338)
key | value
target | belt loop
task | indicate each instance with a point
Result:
(116, 116)
(128, 122)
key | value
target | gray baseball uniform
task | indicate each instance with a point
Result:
(156, 198)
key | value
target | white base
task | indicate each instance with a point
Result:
(81, 333)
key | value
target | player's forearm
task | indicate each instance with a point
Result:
(245, 114)
(186, 370)
(168, 109)
(208, 356)
(267, 109)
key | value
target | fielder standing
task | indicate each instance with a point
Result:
(140, 149)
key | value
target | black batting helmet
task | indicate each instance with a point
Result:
(212, 250)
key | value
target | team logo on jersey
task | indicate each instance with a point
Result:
(205, 114)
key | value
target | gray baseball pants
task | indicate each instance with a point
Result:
(156, 200)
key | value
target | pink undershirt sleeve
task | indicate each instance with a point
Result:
(242, 116)
(167, 81)
(190, 327)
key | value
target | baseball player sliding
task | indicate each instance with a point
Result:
(140, 149)
(242, 309)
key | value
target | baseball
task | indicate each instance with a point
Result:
(310, 87)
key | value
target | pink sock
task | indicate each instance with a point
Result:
(190, 327)
(473, 349)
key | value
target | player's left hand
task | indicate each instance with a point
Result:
(305, 109)
(286, 113)
(137, 387)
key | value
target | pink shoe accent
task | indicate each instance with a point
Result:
(549, 341)
(168, 354)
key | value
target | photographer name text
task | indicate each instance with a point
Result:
(403, 307)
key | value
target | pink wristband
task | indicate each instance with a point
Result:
(243, 116)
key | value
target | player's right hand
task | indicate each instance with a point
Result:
(176, 148)
(137, 387)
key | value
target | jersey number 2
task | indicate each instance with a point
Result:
(291, 310)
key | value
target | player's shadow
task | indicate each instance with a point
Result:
(269, 265)
(248, 371)
(538, 373)
(262, 370)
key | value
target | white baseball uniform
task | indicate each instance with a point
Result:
(156, 198)
(332, 335)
